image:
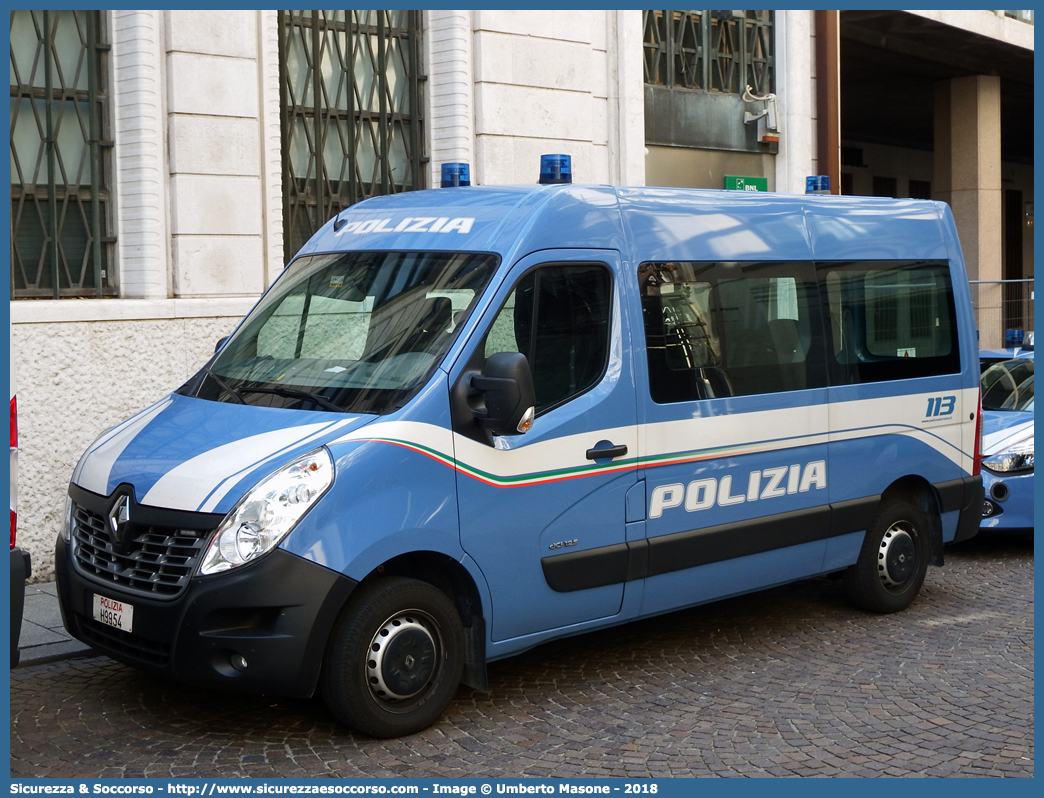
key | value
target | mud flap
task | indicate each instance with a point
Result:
(474, 675)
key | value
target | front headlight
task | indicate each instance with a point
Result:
(1014, 460)
(267, 513)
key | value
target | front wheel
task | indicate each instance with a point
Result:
(394, 659)
(893, 561)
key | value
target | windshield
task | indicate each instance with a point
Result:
(358, 332)
(1008, 386)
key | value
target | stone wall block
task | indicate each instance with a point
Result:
(513, 161)
(532, 113)
(539, 63)
(210, 85)
(214, 145)
(208, 205)
(218, 265)
(574, 26)
(598, 71)
(598, 116)
(230, 33)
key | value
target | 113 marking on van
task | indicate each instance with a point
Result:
(941, 406)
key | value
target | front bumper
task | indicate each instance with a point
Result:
(276, 614)
(1008, 500)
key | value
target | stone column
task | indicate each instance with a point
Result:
(139, 158)
(451, 96)
(626, 98)
(968, 177)
(796, 91)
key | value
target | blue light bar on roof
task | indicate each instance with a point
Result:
(456, 174)
(817, 184)
(556, 169)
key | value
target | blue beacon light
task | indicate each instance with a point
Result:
(456, 174)
(556, 169)
(817, 184)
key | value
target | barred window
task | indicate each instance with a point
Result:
(710, 50)
(351, 112)
(61, 205)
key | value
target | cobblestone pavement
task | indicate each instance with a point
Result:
(789, 682)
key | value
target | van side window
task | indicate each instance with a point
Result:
(730, 329)
(558, 317)
(890, 320)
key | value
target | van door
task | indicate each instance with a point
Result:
(897, 377)
(733, 435)
(543, 514)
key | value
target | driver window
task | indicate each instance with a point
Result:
(558, 317)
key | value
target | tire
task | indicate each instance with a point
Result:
(394, 659)
(893, 561)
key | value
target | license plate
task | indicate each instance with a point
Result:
(117, 614)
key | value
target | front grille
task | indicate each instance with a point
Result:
(147, 652)
(155, 561)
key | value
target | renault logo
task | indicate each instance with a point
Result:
(119, 517)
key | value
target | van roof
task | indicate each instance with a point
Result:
(647, 224)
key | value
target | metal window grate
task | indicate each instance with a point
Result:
(61, 206)
(710, 50)
(351, 112)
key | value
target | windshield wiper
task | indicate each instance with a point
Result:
(225, 387)
(296, 394)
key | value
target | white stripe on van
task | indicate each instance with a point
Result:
(197, 483)
(516, 458)
(95, 466)
(222, 490)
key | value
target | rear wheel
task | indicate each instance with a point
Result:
(394, 659)
(893, 561)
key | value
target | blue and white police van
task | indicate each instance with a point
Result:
(470, 420)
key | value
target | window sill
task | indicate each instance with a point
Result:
(56, 311)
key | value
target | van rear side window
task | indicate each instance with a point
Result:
(736, 329)
(890, 320)
(730, 329)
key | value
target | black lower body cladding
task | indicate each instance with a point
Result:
(970, 504)
(259, 628)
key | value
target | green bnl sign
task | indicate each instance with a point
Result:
(735, 183)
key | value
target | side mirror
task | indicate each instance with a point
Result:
(221, 343)
(506, 383)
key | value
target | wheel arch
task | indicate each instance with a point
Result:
(453, 579)
(438, 570)
(921, 493)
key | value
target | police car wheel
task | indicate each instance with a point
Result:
(893, 561)
(394, 659)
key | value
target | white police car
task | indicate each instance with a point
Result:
(1007, 447)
